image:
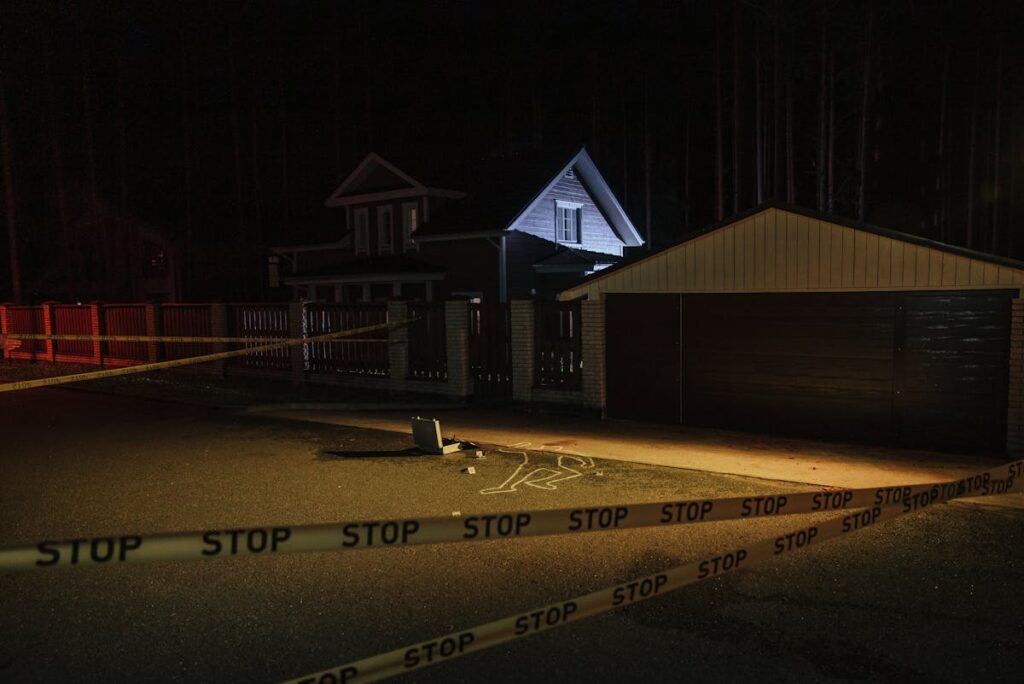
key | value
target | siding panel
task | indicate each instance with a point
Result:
(884, 262)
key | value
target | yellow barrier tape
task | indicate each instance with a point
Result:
(188, 361)
(361, 534)
(444, 648)
(159, 338)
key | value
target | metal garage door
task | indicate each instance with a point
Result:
(914, 369)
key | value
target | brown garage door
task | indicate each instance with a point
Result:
(642, 351)
(913, 369)
(805, 364)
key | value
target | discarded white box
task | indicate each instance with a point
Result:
(426, 432)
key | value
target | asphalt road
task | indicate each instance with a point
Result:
(935, 596)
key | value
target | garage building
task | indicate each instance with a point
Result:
(785, 321)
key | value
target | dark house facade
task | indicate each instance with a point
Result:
(514, 228)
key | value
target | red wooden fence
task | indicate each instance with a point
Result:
(71, 319)
(27, 320)
(124, 319)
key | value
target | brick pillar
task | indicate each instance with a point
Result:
(96, 328)
(592, 330)
(3, 331)
(50, 347)
(523, 324)
(297, 352)
(1015, 409)
(456, 325)
(153, 329)
(219, 328)
(398, 344)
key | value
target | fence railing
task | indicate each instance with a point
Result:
(28, 320)
(125, 319)
(558, 345)
(490, 350)
(260, 320)
(432, 347)
(428, 346)
(348, 357)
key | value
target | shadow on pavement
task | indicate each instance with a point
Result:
(337, 455)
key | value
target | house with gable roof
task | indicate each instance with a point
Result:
(513, 227)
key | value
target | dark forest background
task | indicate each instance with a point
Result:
(227, 124)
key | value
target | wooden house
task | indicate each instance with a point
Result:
(524, 226)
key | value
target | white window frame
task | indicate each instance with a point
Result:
(577, 209)
(361, 229)
(407, 229)
(385, 246)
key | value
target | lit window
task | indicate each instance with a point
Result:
(567, 222)
(362, 231)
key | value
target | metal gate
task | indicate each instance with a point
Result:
(490, 351)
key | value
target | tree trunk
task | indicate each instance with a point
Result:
(972, 153)
(830, 190)
(625, 141)
(106, 249)
(133, 248)
(686, 172)
(236, 136)
(719, 181)
(9, 208)
(777, 103)
(940, 185)
(1012, 218)
(822, 98)
(758, 119)
(336, 94)
(737, 135)
(257, 189)
(647, 166)
(996, 235)
(790, 152)
(186, 129)
(865, 112)
(285, 204)
(57, 159)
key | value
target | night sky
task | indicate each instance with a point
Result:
(227, 124)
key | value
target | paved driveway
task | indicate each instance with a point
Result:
(931, 597)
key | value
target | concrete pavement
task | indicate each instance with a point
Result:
(714, 451)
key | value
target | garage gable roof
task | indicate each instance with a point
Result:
(781, 248)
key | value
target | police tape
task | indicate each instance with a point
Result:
(488, 635)
(363, 534)
(192, 360)
(167, 339)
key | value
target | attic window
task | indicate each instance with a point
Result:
(570, 173)
(568, 220)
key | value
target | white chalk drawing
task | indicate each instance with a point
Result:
(543, 472)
